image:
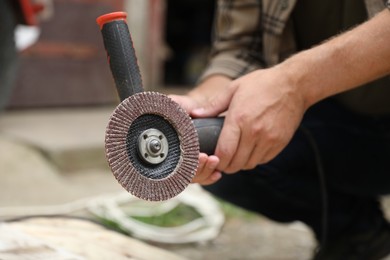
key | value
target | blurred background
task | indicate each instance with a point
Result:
(64, 63)
(56, 96)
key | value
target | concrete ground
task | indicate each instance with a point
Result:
(55, 156)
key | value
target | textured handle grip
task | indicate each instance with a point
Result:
(121, 54)
(208, 132)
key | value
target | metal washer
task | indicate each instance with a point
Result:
(153, 146)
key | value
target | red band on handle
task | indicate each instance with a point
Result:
(106, 18)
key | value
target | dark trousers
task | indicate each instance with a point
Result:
(352, 151)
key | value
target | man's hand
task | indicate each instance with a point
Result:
(264, 110)
(207, 172)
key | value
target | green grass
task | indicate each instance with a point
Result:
(232, 211)
(112, 225)
(180, 215)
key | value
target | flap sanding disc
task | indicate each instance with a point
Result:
(152, 146)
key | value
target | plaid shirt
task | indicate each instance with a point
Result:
(240, 47)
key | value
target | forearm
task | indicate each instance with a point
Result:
(342, 63)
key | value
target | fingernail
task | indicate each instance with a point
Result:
(216, 176)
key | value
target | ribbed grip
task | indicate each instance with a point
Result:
(122, 58)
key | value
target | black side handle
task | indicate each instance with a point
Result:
(120, 53)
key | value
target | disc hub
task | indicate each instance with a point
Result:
(152, 146)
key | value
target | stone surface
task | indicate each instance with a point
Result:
(72, 139)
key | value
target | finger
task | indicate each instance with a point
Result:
(261, 154)
(255, 158)
(227, 143)
(217, 105)
(201, 163)
(271, 152)
(245, 149)
(213, 178)
(208, 168)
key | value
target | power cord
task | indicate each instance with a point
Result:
(322, 183)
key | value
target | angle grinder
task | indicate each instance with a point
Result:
(152, 144)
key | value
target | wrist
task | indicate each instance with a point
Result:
(311, 73)
(295, 74)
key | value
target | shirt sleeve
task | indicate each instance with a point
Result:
(237, 39)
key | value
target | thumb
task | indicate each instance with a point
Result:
(216, 105)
